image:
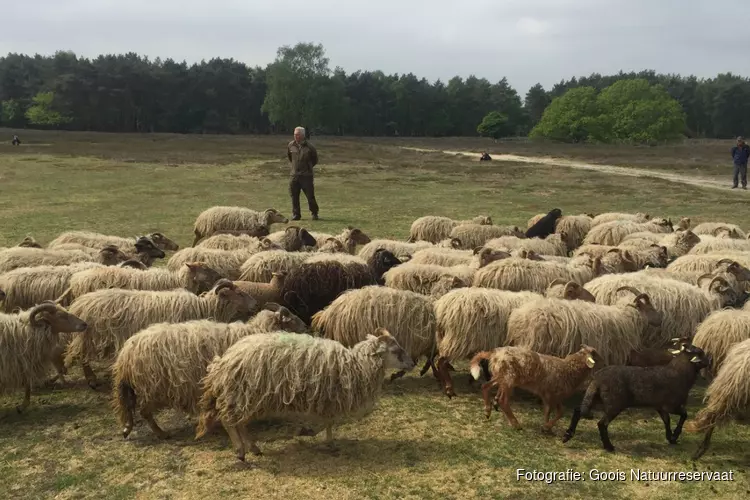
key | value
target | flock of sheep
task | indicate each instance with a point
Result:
(250, 325)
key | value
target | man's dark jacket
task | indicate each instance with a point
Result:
(303, 158)
(740, 154)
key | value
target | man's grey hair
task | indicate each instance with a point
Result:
(300, 129)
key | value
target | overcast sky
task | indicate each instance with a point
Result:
(527, 41)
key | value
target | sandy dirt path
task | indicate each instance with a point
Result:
(607, 169)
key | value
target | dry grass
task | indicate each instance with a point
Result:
(417, 443)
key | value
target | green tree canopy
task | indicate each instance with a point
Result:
(573, 117)
(495, 125)
(42, 111)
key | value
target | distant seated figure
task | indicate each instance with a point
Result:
(485, 157)
(16, 141)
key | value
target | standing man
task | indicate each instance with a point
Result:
(303, 157)
(740, 155)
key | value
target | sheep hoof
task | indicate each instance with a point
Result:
(610, 449)
(126, 432)
(567, 437)
(546, 430)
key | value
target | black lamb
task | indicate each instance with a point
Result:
(545, 226)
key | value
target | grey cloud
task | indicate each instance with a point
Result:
(526, 41)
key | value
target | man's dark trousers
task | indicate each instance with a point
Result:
(303, 183)
(740, 171)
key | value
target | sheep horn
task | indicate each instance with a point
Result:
(41, 308)
(630, 289)
(614, 250)
(720, 280)
(702, 277)
(271, 306)
(558, 281)
(726, 261)
(224, 283)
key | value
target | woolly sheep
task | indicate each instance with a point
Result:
(551, 378)
(475, 235)
(544, 226)
(400, 249)
(710, 228)
(719, 332)
(448, 257)
(114, 315)
(26, 287)
(227, 263)
(683, 306)
(471, 320)
(97, 241)
(264, 293)
(434, 229)
(311, 286)
(355, 314)
(29, 242)
(231, 218)
(619, 260)
(230, 242)
(735, 262)
(554, 244)
(663, 388)
(261, 266)
(516, 274)
(576, 227)
(721, 245)
(619, 216)
(613, 233)
(349, 238)
(27, 344)
(727, 396)
(558, 327)
(678, 243)
(293, 239)
(193, 276)
(162, 365)
(284, 375)
(421, 278)
(17, 257)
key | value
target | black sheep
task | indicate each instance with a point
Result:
(314, 285)
(663, 388)
(545, 226)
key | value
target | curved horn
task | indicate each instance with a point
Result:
(720, 280)
(558, 281)
(614, 250)
(727, 261)
(630, 289)
(702, 277)
(224, 283)
(41, 308)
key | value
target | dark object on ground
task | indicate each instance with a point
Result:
(663, 388)
(16, 141)
(485, 157)
(545, 226)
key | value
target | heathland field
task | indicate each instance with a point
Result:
(417, 443)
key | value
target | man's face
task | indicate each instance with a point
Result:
(298, 135)
(740, 143)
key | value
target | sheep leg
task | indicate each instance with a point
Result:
(505, 406)
(603, 426)
(704, 445)
(247, 441)
(667, 426)
(148, 416)
(329, 440)
(239, 446)
(445, 377)
(572, 427)
(398, 374)
(678, 429)
(26, 398)
(558, 415)
(546, 417)
(486, 387)
(428, 364)
(89, 374)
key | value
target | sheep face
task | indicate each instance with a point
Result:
(286, 319)
(394, 355)
(163, 242)
(201, 278)
(738, 270)
(246, 305)
(593, 358)
(111, 256)
(688, 238)
(697, 356)
(659, 257)
(684, 224)
(663, 223)
(574, 291)
(306, 238)
(383, 261)
(644, 306)
(488, 255)
(274, 217)
(57, 318)
(29, 242)
(719, 286)
(357, 236)
(145, 246)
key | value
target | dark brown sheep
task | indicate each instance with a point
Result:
(663, 388)
(314, 285)
(545, 226)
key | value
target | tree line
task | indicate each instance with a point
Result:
(131, 93)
